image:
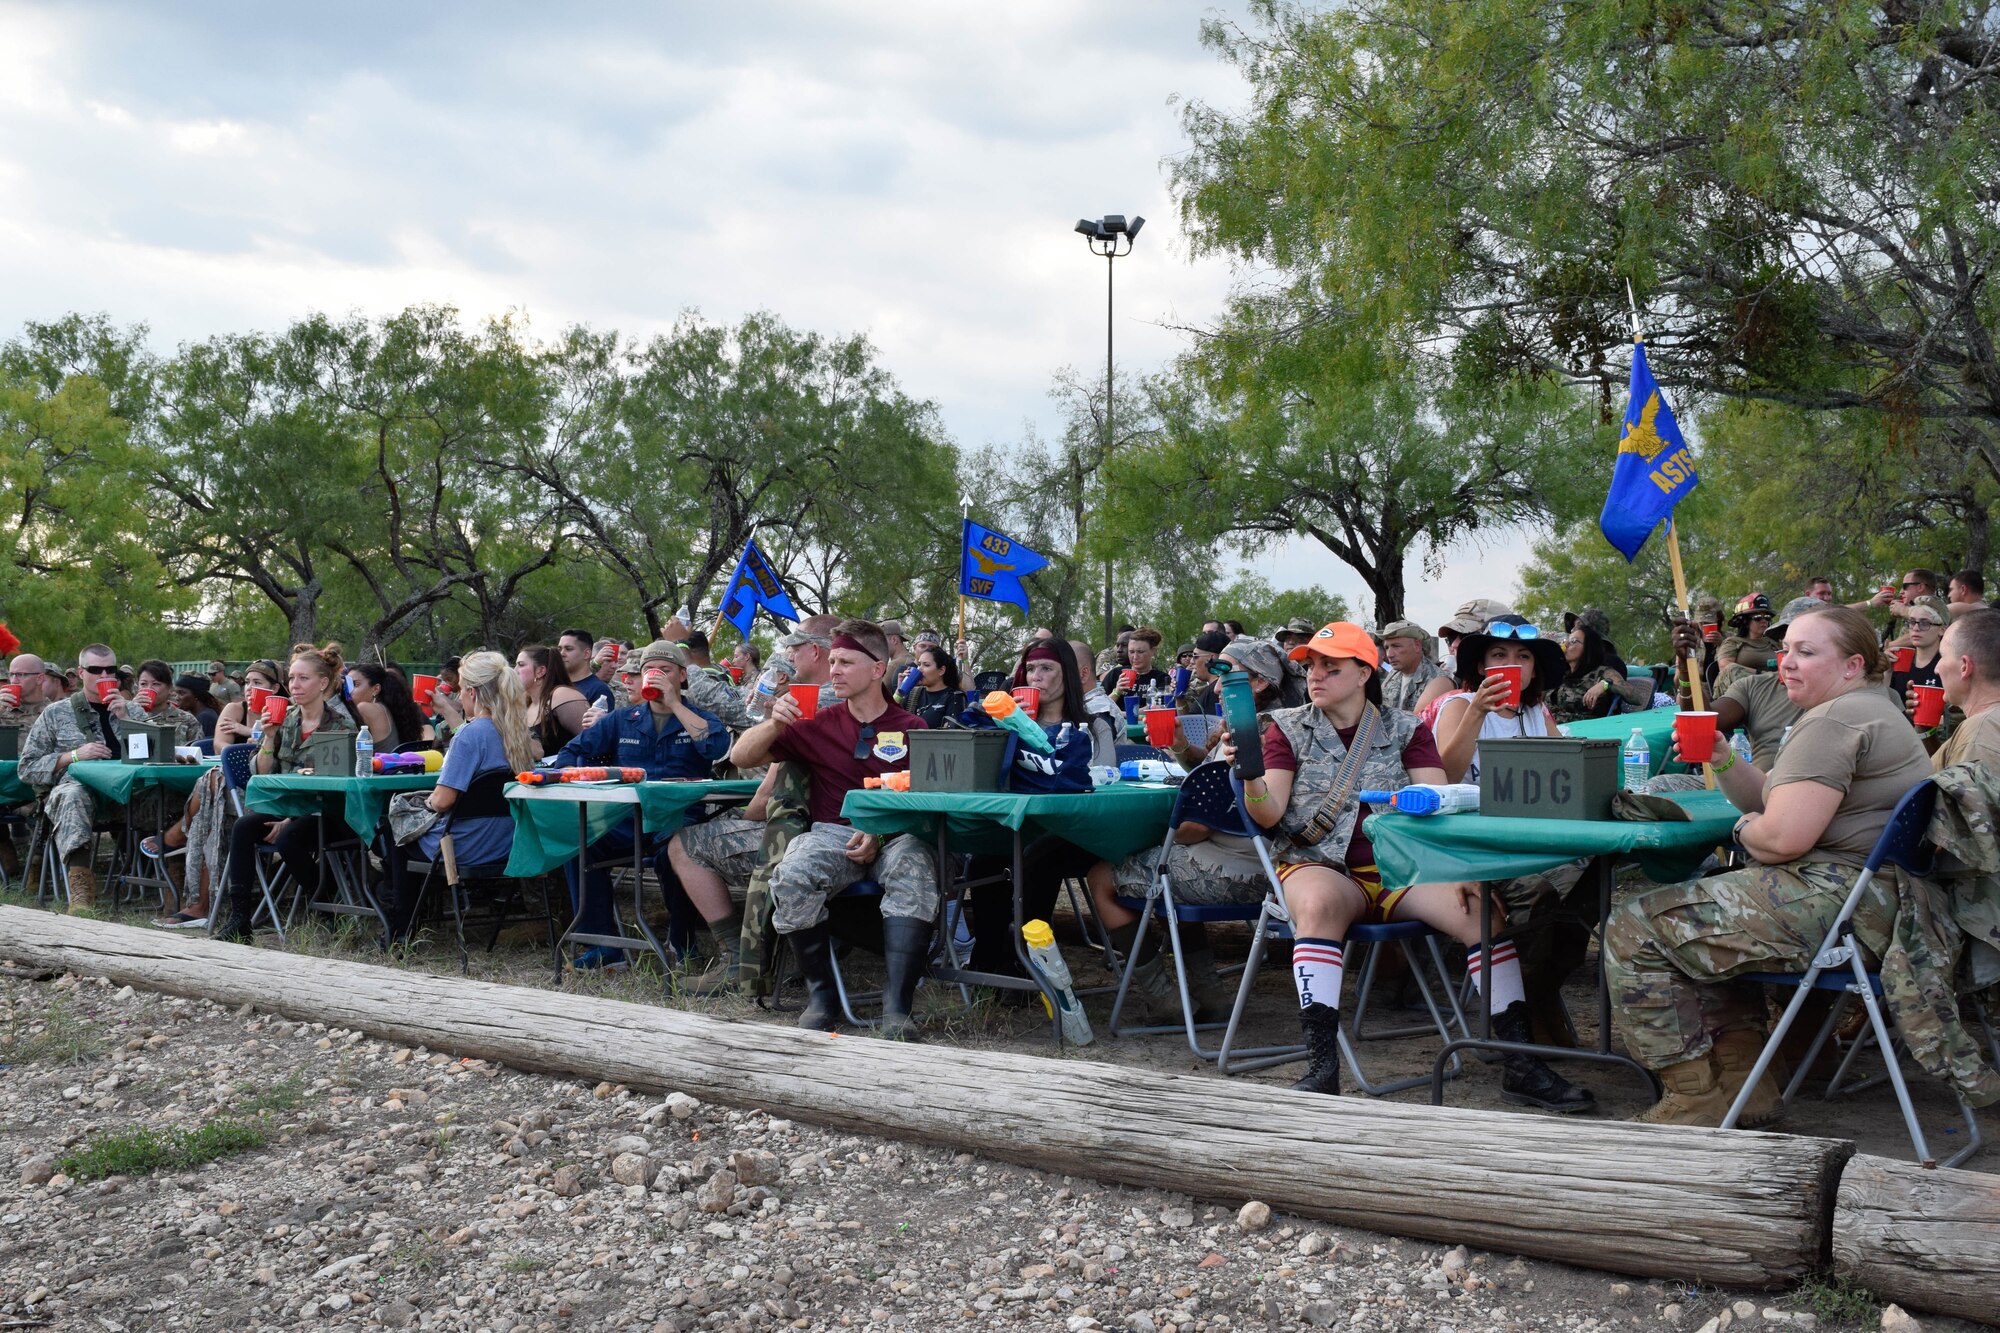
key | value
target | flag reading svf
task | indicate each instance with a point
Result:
(1654, 471)
(994, 564)
(754, 586)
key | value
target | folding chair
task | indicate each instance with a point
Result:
(9, 823)
(268, 872)
(988, 681)
(1128, 751)
(485, 797)
(1274, 921)
(1839, 967)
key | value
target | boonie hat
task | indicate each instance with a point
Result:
(1473, 616)
(662, 650)
(1339, 638)
(1405, 629)
(1258, 655)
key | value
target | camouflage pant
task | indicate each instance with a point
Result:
(1670, 956)
(816, 867)
(71, 808)
(1211, 873)
(784, 819)
(730, 845)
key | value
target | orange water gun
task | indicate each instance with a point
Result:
(888, 782)
(543, 777)
(1005, 712)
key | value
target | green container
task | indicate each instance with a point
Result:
(956, 759)
(1552, 777)
(145, 742)
(10, 742)
(329, 756)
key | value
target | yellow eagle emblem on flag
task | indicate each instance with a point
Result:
(1642, 439)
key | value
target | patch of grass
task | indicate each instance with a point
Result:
(287, 1094)
(521, 1263)
(58, 1037)
(139, 1152)
(1835, 1300)
(419, 1256)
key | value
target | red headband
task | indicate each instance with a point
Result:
(1041, 652)
(854, 645)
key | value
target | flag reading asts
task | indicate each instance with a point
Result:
(994, 565)
(755, 585)
(1654, 471)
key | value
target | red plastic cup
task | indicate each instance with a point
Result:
(807, 698)
(275, 709)
(1930, 704)
(611, 651)
(13, 693)
(1694, 733)
(735, 673)
(1711, 633)
(1889, 588)
(1512, 675)
(107, 690)
(149, 698)
(1159, 726)
(652, 686)
(1029, 700)
(1128, 680)
(257, 696)
(423, 689)
(1906, 659)
(1778, 661)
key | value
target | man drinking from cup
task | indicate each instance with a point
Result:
(77, 731)
(668, 737)
(25, 694)
(1969, 676)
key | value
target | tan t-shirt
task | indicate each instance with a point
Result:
(1767, 711)
(1862, 746)
(1977, 739)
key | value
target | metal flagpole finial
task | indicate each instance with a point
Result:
(965, 504)
(1633, 302)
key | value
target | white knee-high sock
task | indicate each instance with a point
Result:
(1316, 970)
(1506, 970)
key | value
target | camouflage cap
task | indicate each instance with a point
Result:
(1405, 629)
(1475, 615)
(662, 650)
(1798, 606)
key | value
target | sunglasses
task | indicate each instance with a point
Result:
(1501, 629)
(866, 741)
(97, 670)
(1916, 583)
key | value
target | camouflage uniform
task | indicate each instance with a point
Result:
(729, 844)
(711, 689)
(815, 868)
(186, 729)
(69, 806)
(1402, 689)
(1946, 942)
(1671, 955)
(1221, 870)
(784, 819)
(22, 716)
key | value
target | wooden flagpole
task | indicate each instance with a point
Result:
(1693, 677)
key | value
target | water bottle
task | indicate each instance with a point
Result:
(257, 729)
(1239, 709)
(776, 678)
(1048, 961)
(364, 751)
(1638, 762)
(1103, 775)
(1740, 742)
(1423, 798)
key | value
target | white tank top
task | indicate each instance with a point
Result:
(1536, 721)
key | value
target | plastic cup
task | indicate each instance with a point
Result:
(107, 690)
(611, 651)
(807, 698)
(1930, 704)
(148, 698)
(256, 697)
(1694, 733)
(1778, 661)
(1512, 675)
(13, 694)
(652, 686)
(1128, 680)
(735, 673)
(1029, 699)
(1906, 659)
(1183, 677)
(275, 709)
(1160, 727)
(423, 689)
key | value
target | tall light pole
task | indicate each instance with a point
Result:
(1102, 237)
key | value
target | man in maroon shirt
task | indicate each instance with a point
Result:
(863, 735)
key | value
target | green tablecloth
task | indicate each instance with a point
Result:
(1657, 724)
(1412, 849)
(363, 800)
(545, 825)
(116, 781)
(13, 791)
(1112, 821)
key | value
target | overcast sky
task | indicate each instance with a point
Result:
(911, 171)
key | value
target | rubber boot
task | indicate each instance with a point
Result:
(906, 946)
(82, 887)
(1321, 1025)
(1526, 1080)
(232, 919)
(1735, 1054)
(1694, 1097)
(726, 971)
(813, 948)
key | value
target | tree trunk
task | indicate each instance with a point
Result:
(1689, 1204)
(1929, 1239)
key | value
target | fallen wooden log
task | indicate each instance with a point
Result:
(1925, 1239)
(1743, 1209)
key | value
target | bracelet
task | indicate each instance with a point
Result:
(1255, 796)
(1722, 768)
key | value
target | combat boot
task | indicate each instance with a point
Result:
(1693, 1096)
(1321, 1025)
(1735, 1054)
(813, 948)
(1527, 1080)
(82, 887)
(726, 972)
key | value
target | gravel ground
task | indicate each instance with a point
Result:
(402, 1188)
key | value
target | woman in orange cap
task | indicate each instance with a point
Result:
(1314, 759)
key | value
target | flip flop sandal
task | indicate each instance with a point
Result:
(157, 849)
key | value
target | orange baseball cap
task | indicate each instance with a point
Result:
(1340, 639)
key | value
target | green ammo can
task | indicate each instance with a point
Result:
(957, 759)
(1548, 777)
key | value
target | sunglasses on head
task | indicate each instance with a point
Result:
(1501, 629)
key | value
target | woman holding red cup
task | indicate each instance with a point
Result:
(1916, 663)
(1504, 671)
(261, 680)
(152, 701)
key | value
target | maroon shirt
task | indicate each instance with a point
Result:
(825, 744)
(1421, 752)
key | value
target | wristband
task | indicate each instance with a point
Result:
(1255, 796)
(1724, 767)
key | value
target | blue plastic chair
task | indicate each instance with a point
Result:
(1839, 967)
(1129, 751)
(269, 873)
(1274, 921)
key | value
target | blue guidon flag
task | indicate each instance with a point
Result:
(994, 564)
(755, 585)
(1654, 471)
